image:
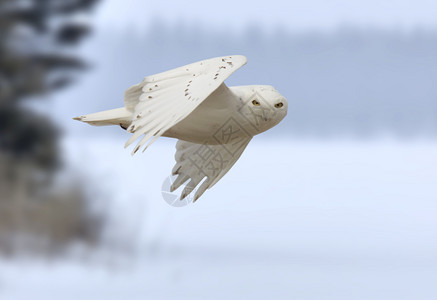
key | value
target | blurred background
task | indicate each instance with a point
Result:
(339, 201)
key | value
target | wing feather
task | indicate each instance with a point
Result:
(169, 97)
(197, 162)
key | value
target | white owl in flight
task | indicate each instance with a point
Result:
(213, 122)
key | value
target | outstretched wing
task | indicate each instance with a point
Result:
(169, 97)
(196, 161)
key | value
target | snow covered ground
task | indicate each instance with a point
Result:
(292, 220)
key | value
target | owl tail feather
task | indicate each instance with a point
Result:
(119, 116)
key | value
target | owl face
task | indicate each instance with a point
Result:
(273, 103)
(264, 107)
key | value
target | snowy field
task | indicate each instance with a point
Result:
(291, 220)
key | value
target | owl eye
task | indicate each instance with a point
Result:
(256, 103)
(279, 105)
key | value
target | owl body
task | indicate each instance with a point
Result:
(231, 110)
(213, 123)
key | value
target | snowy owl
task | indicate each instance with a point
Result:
(213, 122)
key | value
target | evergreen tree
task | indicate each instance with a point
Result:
(35, 38)
(36, 42)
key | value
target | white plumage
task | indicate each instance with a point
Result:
(213, 122)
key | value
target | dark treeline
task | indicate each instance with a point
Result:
(37, 57)
(351, 82)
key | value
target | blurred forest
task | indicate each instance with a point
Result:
(37, 45)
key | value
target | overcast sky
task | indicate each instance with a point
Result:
(270, 14)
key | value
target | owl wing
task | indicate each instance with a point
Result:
(167, 98)
(197, 161)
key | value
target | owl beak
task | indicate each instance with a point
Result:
(265, 116)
